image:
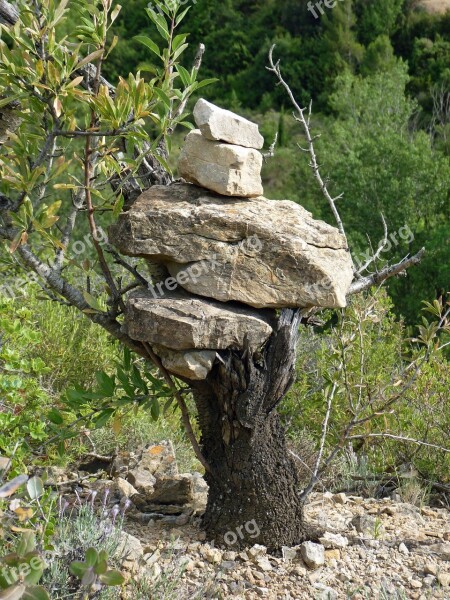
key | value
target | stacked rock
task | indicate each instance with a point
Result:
(230, 259)
(222, 154)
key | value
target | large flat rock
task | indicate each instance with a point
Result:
(227, 169)
(264, 253)
(179, 321)
(219, 124)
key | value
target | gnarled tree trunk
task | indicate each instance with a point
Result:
(254, 486)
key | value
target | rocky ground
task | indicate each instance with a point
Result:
(370, 549)
(377, 549)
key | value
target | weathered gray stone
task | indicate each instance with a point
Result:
(219, 124)
(194, 364)
(159, 459)
(313, 554)
(125, 489)
(129, 548)
(333, 540)
(227, 169)
(182, 322)
(265, 253)
(142, 480)
(172, 490)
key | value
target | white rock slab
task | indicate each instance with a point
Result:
(227, 169)
(216, 123)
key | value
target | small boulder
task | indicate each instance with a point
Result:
(159, 459)
(142, 480)
(288, 553)
(193, 364)
(125, 489)
(130, 548)
(313, 554)
(172, 490)
(444, 579)
(333, 540)
(227, 169)
(216, 124)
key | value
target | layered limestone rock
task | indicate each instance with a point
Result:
(218, 124)
(263, 253)
(221, 251)
(182, 322)
(227, 169)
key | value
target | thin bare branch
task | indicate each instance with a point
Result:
(398, 438)
(381, 248)
(182, 405)
(196, 68)
(376, 279)
(271, 151)
(305, 121)
(314, 479)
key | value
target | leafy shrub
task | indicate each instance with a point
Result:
(86, 542)
(387, 393)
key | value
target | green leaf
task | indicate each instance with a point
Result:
(78, 569)
(5, 101)
(127, 359)
(125, 381)
(35, 592)
(93, 302)
(103, 418)
(179, 51)
(181, 16)
(137, 380)
(155, 410)
(35, 488)
(107, 384)
(178, 40)
(14, 592)
(160, 23)
(55, 417)
(101, 567)
(204, 83)
(163, 96)
(91, 557)
(27, 543)
(112, 578)
(187, 124)
(184, 74)
(118, 206)
(150, 44)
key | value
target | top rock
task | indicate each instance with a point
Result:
(218, 124)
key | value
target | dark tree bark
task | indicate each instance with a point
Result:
(254, 486)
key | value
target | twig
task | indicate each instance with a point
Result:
(72, 481)
(323, 439)
(275, 68)
(381, 247)
(399, 438)
(366, 283)
(271, 151)
(182, 404)
(195, 68)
